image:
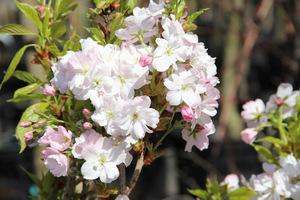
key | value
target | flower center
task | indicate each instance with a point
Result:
(102, 159)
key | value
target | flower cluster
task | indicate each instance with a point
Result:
(277, 183)
(255, 113)
(126, 91)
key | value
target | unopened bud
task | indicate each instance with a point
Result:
(49, 90)
(25, 124)
(29, 137)
(87, 125)
(187, 113)
(87, 113)
(279, 102)
(145, 60)
(42, 122)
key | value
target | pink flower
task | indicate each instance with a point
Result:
(44, 140)
(60, 139)
(187, 113)
(232, 181)
(49, 90)
(86, 139)
(145, 60)
(249, 135)
(56, 162)
(29, 137)
(199, 139)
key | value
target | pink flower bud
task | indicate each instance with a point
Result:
(87, 125)
(25, 124)
(145, 60)
(187, 113)
(29, 137)
(248, 135)
(279, 102)
(49, 90)
(87, 113)
(42, 122)
(37, 111)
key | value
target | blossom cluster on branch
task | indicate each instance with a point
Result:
(108, 95)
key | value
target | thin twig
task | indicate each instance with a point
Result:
(136, 173)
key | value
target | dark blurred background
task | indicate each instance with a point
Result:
(257, 46)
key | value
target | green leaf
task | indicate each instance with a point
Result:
(26, 77)
(45, 29)
(242, 193)
(27, 89)
(26, 97)
(96, 34)
(47, 184)
(202, 194)
(131, 4)
(31, 13)
(33, 177)
(60, 5)
(16, 29)
(69, 9)
(194, 16)
(58, 29)
(116, 24)
(29, 115)
(271, 139)
(14, 63)
(266, 153)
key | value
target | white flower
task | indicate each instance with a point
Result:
(253, 113)
(290, 165)
(125, 143)
(102, 160)
(105, 114)
(183, 87)
(122, 197)
(168, 52)
(285, 97)
(134, 117)
(175, 27)
(200, 60)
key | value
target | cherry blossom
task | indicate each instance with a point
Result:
(253, 113)
(86, 139)
(56, 162)
(135, 116)
(101, 160)
(249, 135)
(285, 97)
(198, 139)
(60, 139)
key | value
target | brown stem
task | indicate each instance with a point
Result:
(136, 173)
(70, 185)
(122, 179)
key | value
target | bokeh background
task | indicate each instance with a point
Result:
(257, 46)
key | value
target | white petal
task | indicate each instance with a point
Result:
(91, 170)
